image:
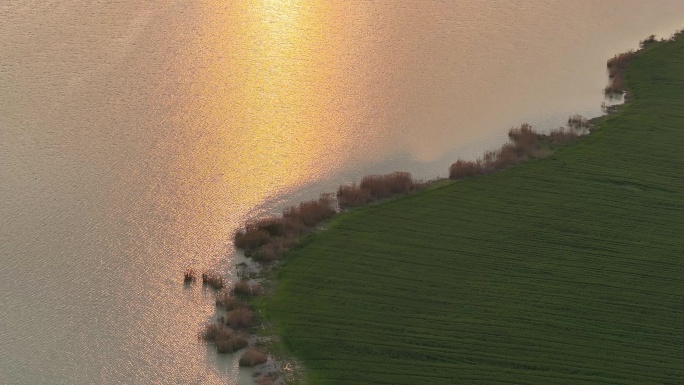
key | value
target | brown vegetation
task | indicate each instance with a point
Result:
(189, 276)
(524, 144)
(579, 123)
(352, 195)
(233, 344)
(240, 318)
(266, 239)
(562, 135)
(253, 357)
(617, 67)
(375, 187)
(214, 280)
(227, 300)
(218, 331)
(226, 339)
(313, 212)
(244, 289)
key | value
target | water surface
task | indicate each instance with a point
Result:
(135, 137)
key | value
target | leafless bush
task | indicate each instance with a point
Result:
(241, 317)
(215, 332)
(579, 123)
(313, 212)
(214, 280)
(244, 288)
(253, 357)
(524, 144)
(236, 342)
(227, 300)
(617, 66)
(353, 195)
(384, 186)
(562, 135)
(189, 276)
(251, 239)
(464, 169)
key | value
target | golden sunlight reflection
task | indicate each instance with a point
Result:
(296, 108)
(269, 125)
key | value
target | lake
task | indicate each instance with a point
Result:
(136, 137)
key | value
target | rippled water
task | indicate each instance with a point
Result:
(135, 137)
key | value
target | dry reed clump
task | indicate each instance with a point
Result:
(227, 300)
(253, 357)
(524, 144)
(214, 280)
(189, 276)
(384, 186)
(233, 344)
(580, 123)
(240, 318)
(243, 288)
(226, 339)
(313, 212)
(267, 239)
(214, 332)
(273, 250)
(250, 239)
(464, 169)
(617, 67)
(562, 135)
(352, 195)
(375, 187)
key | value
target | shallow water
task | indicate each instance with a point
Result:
(135, 137)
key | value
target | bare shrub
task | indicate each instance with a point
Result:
(353, 195)
(562, 135)
(253, 357)
(617, 66)
(384, 186)
(214, 280)
(226, 339)
(275, 249)
(189, 276)
(464, 169)
(313, 212)
(524, 137)
(244, 288)
(230, 345)
(507, 156)
(227, 300)
(215, 332)
(251, 239)
(488, 162)
(579, 122)
(241, 317)
(524, 144)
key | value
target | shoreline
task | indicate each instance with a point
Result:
(510, 154)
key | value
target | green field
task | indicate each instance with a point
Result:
(564, 270)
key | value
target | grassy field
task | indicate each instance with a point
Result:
(564, 270)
